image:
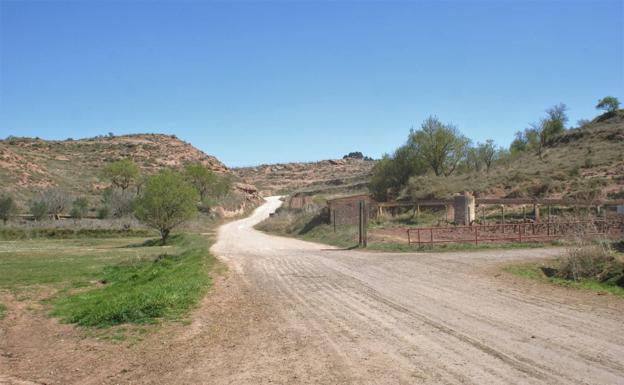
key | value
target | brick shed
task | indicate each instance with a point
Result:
(345, 210)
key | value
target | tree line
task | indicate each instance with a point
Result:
(162, 201)
(440, 149)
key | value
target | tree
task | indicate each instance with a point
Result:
(441, 146)
(122, 173)
(609, 104)
(80, 207)
(7, 208)
(391, 173)
(487, 153)
(555, 122)
(202, 178)
(167, 201)
(53, 201)
(117, 203)
(38, 209)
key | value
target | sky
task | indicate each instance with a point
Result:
(265, 82)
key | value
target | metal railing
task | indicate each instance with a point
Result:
(514, 232)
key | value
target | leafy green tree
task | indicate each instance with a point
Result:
(391, 173)
(609, 104)
(439, 145)
(167, 201)
(7, 208)
(38, 209)
(80, 207)
(202, 178)
(122, 173)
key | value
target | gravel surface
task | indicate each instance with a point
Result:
(426, 317)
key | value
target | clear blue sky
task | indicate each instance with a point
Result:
(260, 82)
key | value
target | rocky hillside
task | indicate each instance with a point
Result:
(29, 165)
(290, 177)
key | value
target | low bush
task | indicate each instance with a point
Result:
(591, 261)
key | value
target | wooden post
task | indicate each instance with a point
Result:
(363, 224)
(418, 233)
(523, 213)
(503, 218)
(409, 240)
(476, 235)
(334, 215)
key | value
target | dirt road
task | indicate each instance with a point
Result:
(292, 312)
(424, 318)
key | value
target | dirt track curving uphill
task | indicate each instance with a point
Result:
(424, 318)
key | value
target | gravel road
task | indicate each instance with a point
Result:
(379, 318)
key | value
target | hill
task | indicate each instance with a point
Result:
(29, 165)
(270, 179)
(582, 163)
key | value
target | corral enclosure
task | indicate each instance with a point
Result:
(468, 219)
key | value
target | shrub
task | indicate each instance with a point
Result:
(38, 209)
(103, 212)
(80, 206)
(7, 208)
(586, 261)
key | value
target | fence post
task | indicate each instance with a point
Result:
(503, 218)
(334, 215)
(363, 224)
(476, 235)
(409, 240)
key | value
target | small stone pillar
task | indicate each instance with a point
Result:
(536, 211)
(464, 206)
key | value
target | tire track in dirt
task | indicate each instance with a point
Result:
(426, 318)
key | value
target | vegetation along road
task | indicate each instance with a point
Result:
(417, 318)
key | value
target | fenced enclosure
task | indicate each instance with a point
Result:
(513, 232)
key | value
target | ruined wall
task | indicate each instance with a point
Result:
(345, 211)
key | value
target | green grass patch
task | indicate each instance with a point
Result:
(3, 311)
(532, 270)
(143, 291)
(72, 262)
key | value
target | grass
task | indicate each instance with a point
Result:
(143, 291)
(533, 271)
(62, 263)
(7, 234)
(3, 311)
(106, 282)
